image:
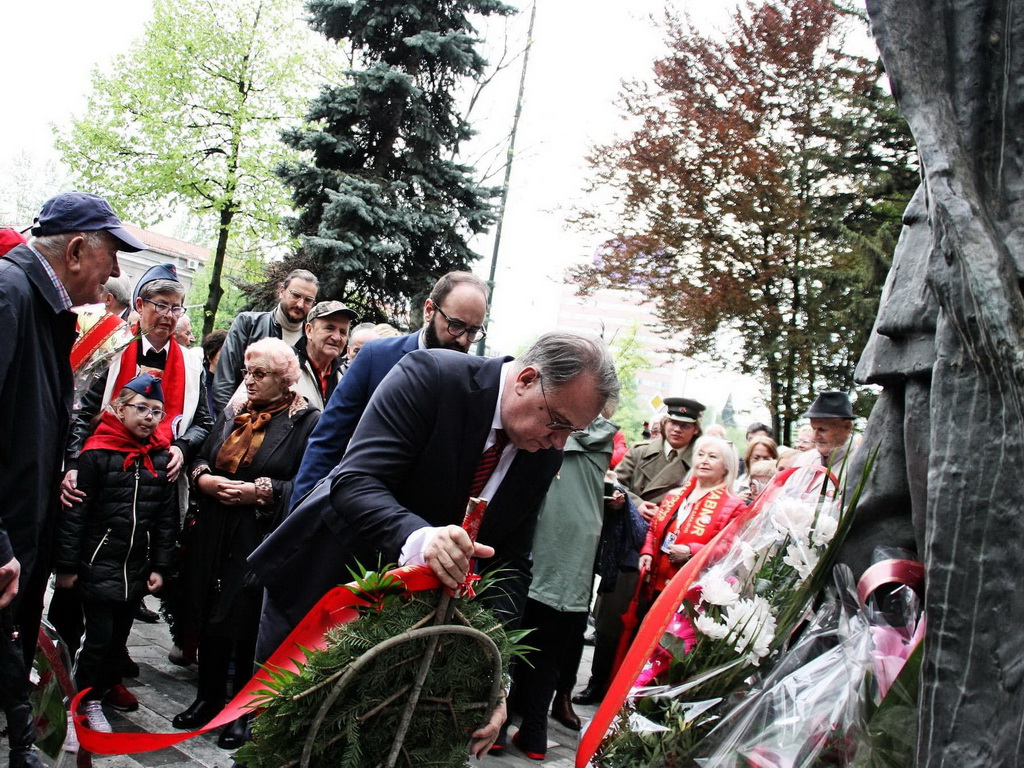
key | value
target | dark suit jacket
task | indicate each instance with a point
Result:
(346, 404)
(409, 465)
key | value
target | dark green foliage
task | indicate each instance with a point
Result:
(449, 709)
(385, 209)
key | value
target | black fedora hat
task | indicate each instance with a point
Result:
(830, 405)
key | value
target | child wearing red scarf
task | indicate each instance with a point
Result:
(113, 547)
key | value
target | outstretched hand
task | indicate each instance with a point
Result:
(449, 554)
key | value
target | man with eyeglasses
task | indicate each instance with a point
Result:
(159, 298)
(441, 428)
(453, 318)
(296, 296)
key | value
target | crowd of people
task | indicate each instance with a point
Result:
(240, 479)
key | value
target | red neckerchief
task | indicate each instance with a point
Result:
(172, 380)
(111, 435)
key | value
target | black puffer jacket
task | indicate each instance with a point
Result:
(124, 529)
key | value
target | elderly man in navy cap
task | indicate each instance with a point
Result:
(72, 253)
(831, 418)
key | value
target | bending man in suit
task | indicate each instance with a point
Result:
(400, 492)
(453, 317)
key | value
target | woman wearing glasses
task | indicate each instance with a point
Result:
(243, 482)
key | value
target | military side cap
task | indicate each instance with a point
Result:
(146, 385)
(683, 409)
(156, 272)
(830, 405)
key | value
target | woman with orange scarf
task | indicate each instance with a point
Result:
(690, 517)
(243, 481)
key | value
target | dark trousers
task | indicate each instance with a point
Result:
(98, 663)
(608, 627)
(537, 680)
(215, 655)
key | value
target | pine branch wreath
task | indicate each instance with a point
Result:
(391, 676)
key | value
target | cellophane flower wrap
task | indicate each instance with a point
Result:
(734, 622)
(101, 337)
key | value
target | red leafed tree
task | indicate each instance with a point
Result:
(758, 196)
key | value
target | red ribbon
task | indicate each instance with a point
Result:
(337, 607)
(658, 618)
(93, 339)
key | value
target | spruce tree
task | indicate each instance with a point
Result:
(385, 207)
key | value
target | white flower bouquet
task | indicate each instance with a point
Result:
(740, 603)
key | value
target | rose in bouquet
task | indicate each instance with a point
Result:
(740, 605)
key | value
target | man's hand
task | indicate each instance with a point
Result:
(174, 465)
(69, 493)
(154, 582)
(647, 510)
(484, 738)
(10, 574)
(448, 554)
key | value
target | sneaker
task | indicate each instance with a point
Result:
(121, 699)
(71, 739)
(94, 714)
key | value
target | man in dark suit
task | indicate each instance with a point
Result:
(453, 317)
(401, 490)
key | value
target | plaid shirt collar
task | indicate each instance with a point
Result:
(62, 293)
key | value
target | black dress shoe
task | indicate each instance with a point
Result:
(592, 694)
(142, 613)
(562, 712)
(199, 714)
(232, 736)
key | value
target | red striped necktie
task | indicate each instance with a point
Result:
(488, 461)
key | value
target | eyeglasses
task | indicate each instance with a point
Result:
(301, 298)
(456, 327)
(258, 374)
(555, 425)
(146, 412)
(166, 309)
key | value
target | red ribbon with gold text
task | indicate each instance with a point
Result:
(657, 619)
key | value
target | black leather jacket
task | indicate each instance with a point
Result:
(246, 328)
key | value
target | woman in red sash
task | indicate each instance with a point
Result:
(691, 516)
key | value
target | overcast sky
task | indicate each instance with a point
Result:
(582, 50)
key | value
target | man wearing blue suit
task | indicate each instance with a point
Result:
(453, 318)
(401, 490)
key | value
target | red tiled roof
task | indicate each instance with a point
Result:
(168, 245)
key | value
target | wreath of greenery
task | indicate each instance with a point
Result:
(416, 669)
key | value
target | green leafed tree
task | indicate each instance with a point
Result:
(189, 120)
(386, 207)
(759, 195)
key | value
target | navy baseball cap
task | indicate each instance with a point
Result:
(82, 212)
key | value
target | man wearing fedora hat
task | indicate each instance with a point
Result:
(831, 418)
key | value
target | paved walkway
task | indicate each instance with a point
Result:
(164, 689)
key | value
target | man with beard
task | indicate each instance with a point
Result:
(296, 296)
(453, 317)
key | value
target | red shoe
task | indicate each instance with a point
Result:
(121, 699)
(528, 753)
